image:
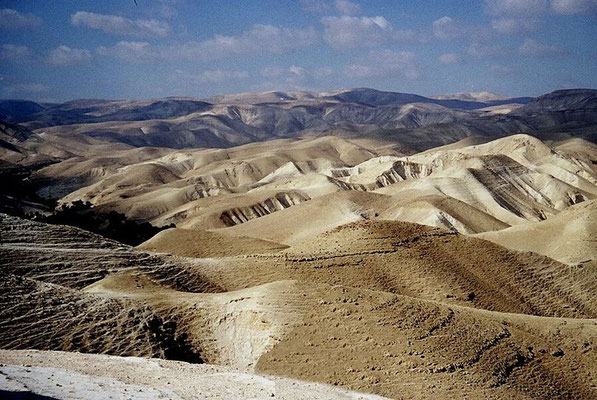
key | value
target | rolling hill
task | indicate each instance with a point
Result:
(363, 286)
(349, 244)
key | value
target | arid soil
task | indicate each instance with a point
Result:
(315, 267)
(389, 308)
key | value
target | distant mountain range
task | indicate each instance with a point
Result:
(414, 122)
(473, 96)
(96, 110)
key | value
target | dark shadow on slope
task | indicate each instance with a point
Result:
(6, 395)
(17, 191)
(112, 225)
(172, 344)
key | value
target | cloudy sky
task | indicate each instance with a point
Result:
(56, 51)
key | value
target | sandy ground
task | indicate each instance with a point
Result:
(568, 237)
(74, 376)
(389, 308)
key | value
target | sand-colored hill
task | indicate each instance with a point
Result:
(309, 219)
(390, 308)
(202, 244)
(467, 270)
(470, 186)
(422, 262)
(444, 212)
(569, 237)
(150, 188)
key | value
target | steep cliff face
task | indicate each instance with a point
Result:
(403, 170)
(278, 202)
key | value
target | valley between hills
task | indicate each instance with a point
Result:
(346, 244)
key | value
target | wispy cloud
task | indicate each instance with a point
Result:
(117, 25)
(384, 64)
(315, 6)
(25, 90)
(344, 7)
(514, 26)
(534, 48)
(570, 7)
(12, 19)
(260, 39)
(16, 54)
(500, 69)
(450, 58)
(533, 8)
(272, 72)
(167, 8)
(131, 51)
(295, 77)
(64, 55)
(521, 16)
(349, 32)
(479, 49)
(347, 7)
(447, 28)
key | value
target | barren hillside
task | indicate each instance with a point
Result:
(346, 244)
(388, 291)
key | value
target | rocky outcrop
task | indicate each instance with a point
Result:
(403, 170)
(278, 202)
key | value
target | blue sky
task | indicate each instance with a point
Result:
(57, 51)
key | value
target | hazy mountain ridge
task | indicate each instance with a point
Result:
(562, 100)
(472, 96)
(253, 117)
(95, 110)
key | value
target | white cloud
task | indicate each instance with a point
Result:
(212, 76)
(534, 48)
(12, 19)
(447, 28)
(260, 39)
(569, 7)
(347, 32)
(513, 26)
(298, 71)
(385, 64)
(272, 72)
(64, 55)
(522, 16)
(118, 25)
(449, 58)
(130, 51)
(516, 8)
(478, 49)
(347, 7)
(296, 77)
(16, 54)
